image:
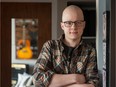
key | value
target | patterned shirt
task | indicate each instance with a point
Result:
(52, 60)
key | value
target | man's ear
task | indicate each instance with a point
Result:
(62, 26)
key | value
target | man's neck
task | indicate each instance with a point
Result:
(72, 43)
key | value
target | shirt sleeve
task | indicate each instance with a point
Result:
(43, 69)
(92, 70)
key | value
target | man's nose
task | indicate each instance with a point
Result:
(74, 26)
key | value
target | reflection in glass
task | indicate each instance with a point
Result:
(26, 38)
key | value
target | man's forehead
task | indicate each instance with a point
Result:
(72, 16)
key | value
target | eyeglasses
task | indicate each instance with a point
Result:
(70, 23)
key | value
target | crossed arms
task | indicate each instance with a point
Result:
(69, 80)
(45, 75)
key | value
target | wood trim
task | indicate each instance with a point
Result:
(0, 44)
(113, 45)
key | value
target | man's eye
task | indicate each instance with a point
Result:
(79, 22)
(70, 23)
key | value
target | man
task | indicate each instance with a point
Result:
(68, 61)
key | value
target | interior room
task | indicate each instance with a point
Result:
(33, 22)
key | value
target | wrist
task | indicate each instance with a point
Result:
(91, 85)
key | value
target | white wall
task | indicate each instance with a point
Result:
(61, 5)
(100, 8)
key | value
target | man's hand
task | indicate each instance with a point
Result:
(59, 80)
(79, 78)
(80, 85)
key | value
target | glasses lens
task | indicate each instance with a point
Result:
(79, 23)
(70, 23)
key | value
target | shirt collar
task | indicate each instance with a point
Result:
(61, 38)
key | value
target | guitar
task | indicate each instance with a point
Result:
(24, 51)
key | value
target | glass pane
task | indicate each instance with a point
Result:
(26, 33)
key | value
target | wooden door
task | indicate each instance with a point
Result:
(42, 11)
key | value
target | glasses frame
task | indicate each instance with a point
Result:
(77, 23)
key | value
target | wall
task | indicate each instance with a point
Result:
(100, 8)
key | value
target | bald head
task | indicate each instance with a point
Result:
(72, 13)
